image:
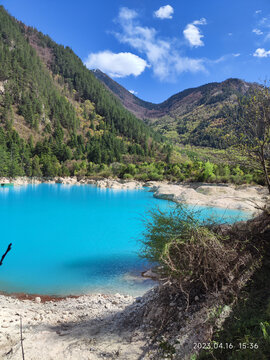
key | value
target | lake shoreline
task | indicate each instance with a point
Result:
(197, 194)
(248, 198)
(112, 326)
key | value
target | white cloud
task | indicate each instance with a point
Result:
(133, 92)
(230, 34)
(258, 11)
(161, 54)
(261, 53)
(193, 34)
(262, 28)
(116, 65)
(164, 12)
(236, 54)
(264, 22)
(257, 31)
(202, 21)
(127, 14)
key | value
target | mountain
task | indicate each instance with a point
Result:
(197, 116)
(140, 108)
(56, 118)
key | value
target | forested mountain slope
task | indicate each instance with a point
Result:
(56, 118)
(142, 109)
(197, 116)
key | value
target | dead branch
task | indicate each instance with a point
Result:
(21, 338)
(5, 254)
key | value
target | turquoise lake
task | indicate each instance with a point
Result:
(77, 239)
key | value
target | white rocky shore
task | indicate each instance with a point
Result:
(227, 196)
(94, 327)
(244, 197)
(83, 328)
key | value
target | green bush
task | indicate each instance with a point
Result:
(192, 255)
(127, 177)
(141, 177)
(131, 169)
(155, 176)
(248, 178)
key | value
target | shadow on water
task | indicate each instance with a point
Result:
(110, 274)
(104, 265)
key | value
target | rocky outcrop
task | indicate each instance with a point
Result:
(246, 198)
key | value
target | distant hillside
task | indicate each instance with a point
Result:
(197, 116)
(56, 118)
(142, 109)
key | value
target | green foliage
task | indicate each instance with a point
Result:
(163, 228)
(265, 327)
(127, 177)
(208, 172)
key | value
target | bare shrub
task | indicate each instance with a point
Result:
(197, 257)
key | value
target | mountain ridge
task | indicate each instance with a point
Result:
(196, 116)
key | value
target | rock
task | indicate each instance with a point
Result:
(38, 300)
(150, 274)
(2, 86)
(246, 198)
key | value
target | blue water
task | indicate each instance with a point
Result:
(77, 239)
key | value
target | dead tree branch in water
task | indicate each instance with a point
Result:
(5, 254)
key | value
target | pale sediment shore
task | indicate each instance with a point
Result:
(87, 327)
(244, 197)
(99, 326)
(227, 196)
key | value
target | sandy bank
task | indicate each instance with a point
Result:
(87, 327)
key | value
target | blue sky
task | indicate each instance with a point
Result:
(158, 48)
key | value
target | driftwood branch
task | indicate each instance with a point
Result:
(21, 338)
(5, 254)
